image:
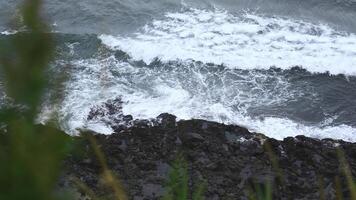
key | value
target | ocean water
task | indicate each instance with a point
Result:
(281, 68)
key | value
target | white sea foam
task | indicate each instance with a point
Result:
(185, 107)
(8, 32)
(242, 40)
(187, 91)
(90, 84)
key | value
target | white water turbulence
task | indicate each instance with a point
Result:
(188, 81)
(245, 41)
(187, 90)
(8, 32)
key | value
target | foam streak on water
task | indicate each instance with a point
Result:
(244, 41)
(187, 90)
(8, 32)
(245, 91)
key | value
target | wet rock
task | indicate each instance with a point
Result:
(191, 139)
(232, 161)
(152, 191)
(167, 120)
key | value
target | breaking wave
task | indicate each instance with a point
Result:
(244, 41)
(235, 68)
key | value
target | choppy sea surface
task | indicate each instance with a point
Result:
(282, 68)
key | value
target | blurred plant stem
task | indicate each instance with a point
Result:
(110, 179)
(345, 167)
(30, 155)
(177, 185)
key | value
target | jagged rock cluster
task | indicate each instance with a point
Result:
(234, 162)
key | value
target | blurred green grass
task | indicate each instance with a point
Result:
(30, 155)
(177, 184)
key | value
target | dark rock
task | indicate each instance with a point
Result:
(152, 191)
(167, 120)
(127, 118)
(233, 162)
(110, 113)
(191, 138)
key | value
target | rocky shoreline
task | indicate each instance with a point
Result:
(233, 162)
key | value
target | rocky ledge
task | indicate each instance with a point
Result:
(233, 162)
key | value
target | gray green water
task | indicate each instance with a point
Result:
(228, 61)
